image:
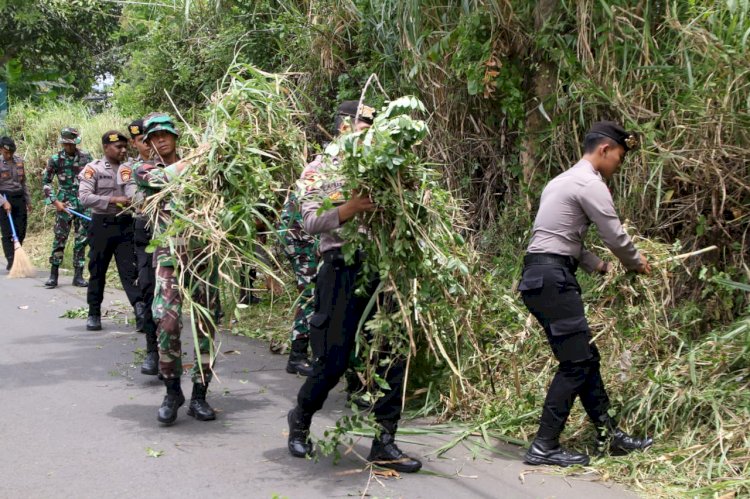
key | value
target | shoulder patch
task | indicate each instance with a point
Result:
(88, 173)
(126, 174)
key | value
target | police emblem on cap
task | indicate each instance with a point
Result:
(631, 141)
(366, 112)
(113, 137)
(88, 173)
(135, 130)
(126, 174)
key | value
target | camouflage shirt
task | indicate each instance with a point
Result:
(67, 168)
(13, 177)
(151, 177)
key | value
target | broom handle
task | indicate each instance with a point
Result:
(12, 227)
(79, 214)
(10, 219)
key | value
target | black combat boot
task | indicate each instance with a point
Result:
(173, 400)
(150, 364)
(52, 281)
(140, 316)
(386, 454)
(10, 264)
(199, 408)
(543, 451)
(610, 437)
(299, 443)
(298, 362)
(78, 279)
(94, 322)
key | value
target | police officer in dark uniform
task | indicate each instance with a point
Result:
(111, 232)
(338, 310)
(15, 199)
(569, 203)
(144, 261)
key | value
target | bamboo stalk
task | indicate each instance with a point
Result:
(687, 255)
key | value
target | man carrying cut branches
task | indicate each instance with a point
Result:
(570, 202)
(338, 310)
(151, 177)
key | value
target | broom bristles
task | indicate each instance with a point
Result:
(22, 266)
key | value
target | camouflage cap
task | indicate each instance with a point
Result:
(352, 108)
(70, 135)
(615, 132)
(156, 122)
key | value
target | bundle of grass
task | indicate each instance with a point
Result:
(250, 150)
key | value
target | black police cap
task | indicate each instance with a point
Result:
(350, 107)
(7, 143)
(136, 128)
(615, 132)
(113, 136)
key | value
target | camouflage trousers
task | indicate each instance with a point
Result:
(304, 261)
(167, 312)
(63, 223)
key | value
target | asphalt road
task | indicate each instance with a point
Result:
(79, 420)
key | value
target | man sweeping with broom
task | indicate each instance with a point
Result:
(16, 203)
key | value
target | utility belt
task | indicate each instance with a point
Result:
(336, 257)
(106, 219)
(551, 259)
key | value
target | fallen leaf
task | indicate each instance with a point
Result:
(232, 352)
(23, 307)
(154, 453)
(386, 473)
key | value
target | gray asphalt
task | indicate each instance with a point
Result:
(77, 419)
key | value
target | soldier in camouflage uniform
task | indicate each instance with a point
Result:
(301, 249)
(66, 165)
(150, 177)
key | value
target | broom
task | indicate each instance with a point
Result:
(73, 212)
(22, 266)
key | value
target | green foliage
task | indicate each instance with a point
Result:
(55, 48)
(75, 313)
(183, 51)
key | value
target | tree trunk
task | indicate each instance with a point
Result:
(543, 84)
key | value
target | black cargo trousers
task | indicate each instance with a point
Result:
(333, 327)
(146, 278)
(552, 294)
(109, 236)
